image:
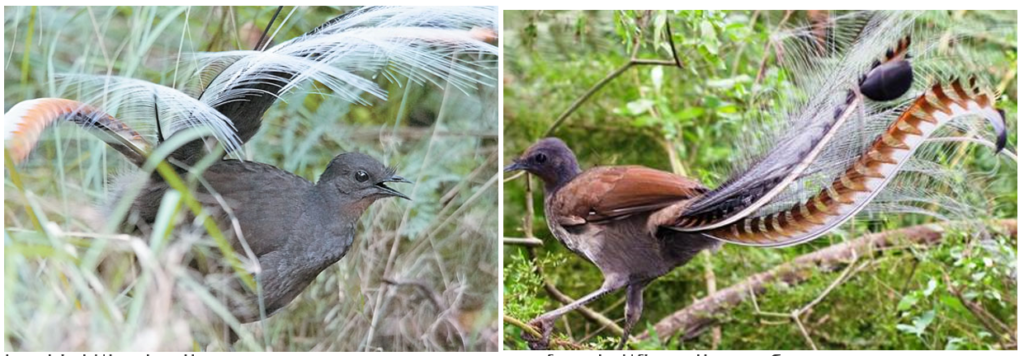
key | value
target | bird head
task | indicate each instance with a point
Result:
(362, 177)
(550, 159)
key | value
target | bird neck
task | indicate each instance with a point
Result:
(560, 176)
(338, 204)
(336, 215)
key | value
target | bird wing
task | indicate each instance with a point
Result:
(611, 193)
(249, 189)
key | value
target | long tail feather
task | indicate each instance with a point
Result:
(26, 121)
(822, 119)
(855, 187)
(422, 44)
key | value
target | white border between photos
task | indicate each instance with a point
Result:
(505, 156)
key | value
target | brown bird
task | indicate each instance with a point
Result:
(607, 216)
(637, 224)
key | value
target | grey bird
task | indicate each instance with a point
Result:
(293, 227)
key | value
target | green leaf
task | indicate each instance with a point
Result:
(954, 343)
(909, 329)
(639, 106)
(932, 283)
(657, 74)
(924, 320)
(689, 113)
(729, 82)
(907, 302)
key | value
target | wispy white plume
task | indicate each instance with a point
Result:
(139, 103)
(422, 44)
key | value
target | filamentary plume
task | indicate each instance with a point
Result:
(290, 228)
(815, 164)
(422, 44)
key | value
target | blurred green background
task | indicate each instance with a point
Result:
(75, 287)
(700, 116)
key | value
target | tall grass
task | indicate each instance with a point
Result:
(421, 275)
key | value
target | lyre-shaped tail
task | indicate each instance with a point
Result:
(26, 121)
(820, 126)
(855, 187)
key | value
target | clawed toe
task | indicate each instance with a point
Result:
(538, 343)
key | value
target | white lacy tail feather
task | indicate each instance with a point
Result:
(426, 45)
(422, 44)
(800, 175)
(141, 103)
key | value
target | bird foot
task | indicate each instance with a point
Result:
(539, 343)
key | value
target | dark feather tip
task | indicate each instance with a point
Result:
(1000, 131)
(888, 81)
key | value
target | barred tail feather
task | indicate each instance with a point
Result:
(886, 79)
(26, 121)
(855, 187)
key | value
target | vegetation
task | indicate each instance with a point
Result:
(694, 119)
(422, 275)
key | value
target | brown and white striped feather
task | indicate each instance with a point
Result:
(855, 187)
(25, 122)
(705, 215)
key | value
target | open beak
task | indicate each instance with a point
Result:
(515, 166)
(386, 190)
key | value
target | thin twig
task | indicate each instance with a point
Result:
(522, 241)
(989, 321)
(633, 60)
(527, 328)
(672, 43)
(767, 49)
(514, 176)
(796, 318)
(430, 294)
(839, 280)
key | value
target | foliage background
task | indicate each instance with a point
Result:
(76, 286)
(698, 117)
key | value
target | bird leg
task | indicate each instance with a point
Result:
(634, 308)
(545, 322)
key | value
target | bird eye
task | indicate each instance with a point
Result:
(362, 176)
(540, 158)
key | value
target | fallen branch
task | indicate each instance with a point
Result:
(692, 320)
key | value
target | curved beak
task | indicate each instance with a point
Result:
(386, 190)
(515, 166)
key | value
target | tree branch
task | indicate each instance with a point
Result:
(633, 60)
